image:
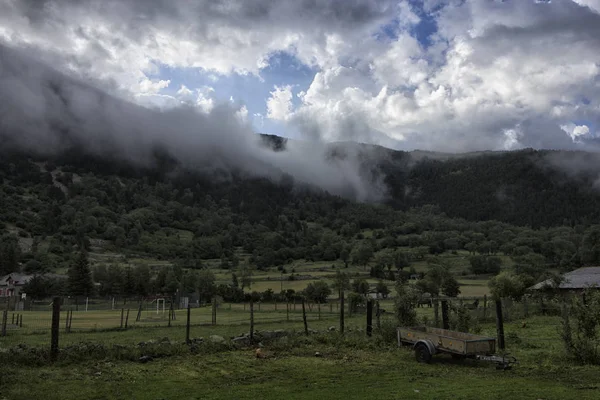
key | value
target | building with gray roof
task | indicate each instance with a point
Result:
(580, 279)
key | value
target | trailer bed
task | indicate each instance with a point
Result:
(428, 341)
(448, 341)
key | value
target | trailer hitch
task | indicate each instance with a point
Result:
(504, 362)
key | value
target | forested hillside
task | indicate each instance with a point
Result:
(50, 208)
(531, 188)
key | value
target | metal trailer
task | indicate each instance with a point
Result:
(427, 341)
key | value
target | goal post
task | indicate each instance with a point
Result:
(158, 303)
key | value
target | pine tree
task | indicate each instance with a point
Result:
(80, 277)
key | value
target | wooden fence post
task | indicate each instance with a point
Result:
(525, 307)
(378, 315)
(287, 310)
(67, 322)
(304, 318)
(369, 317)
(436, 313)
(342, 311)
(187, 325)
(55, 327)
(169, 318)
(506, 311)
(214, 311)
(251, 321)
(122, 315)
(127, 318)
(542, 305)
(500, 325)
(139, 314)
(445, 320)
(485, 306)
(349, 309)
(4, 322)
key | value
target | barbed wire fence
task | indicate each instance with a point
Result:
(463, 314)
(507, 320)
(97, 315)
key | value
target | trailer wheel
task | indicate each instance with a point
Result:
(422, 354)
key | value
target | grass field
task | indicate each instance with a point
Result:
(473, 287)
(352, 367)
(232, 319)
(227, 314)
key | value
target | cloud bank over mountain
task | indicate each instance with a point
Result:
(442, 75)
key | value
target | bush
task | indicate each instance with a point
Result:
(509, 285)
(388, 331)
(405, 304)
(356, 300)
(580, 328)
(460, 319)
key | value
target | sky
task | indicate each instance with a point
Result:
(443, 75)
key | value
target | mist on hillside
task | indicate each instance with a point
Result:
(46, 112)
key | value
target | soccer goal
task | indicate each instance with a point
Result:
(160, 302)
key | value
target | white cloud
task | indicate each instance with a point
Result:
(497, 74)
(147, 86)
(576, 131)
(592, 4)
(581, 130)
(242, 114)
(279, 105)
(155, 100)
(184, 91)
(205, 100)
(512, 138)
(121, 41)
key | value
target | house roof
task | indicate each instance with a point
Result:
(18, 279)
(581, 278)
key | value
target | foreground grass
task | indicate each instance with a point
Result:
(351, 367)
(293, 372)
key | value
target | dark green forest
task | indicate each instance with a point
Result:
(511, 203)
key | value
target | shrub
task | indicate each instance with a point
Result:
(387, 332)
(507, 284)
(356, 300)
(580, 328)
(460, 319)
(405, 304)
